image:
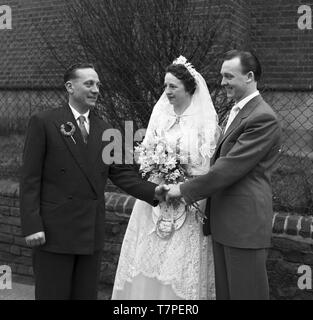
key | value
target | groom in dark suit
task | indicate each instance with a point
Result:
(238, 184)
(62, 191)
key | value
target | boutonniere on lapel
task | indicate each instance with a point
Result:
(70, 133)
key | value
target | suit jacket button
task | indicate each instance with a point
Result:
(63, 170)
(70, 197)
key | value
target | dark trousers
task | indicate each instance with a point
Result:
(240, 274)
(66, 276)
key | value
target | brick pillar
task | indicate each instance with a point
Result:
(285, 51)
(240, 22)
(235, 14)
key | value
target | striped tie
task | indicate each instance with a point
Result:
(81, 125)
(232, 115)
(224, 123)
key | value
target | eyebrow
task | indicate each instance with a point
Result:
(93, 81)
(226, 74)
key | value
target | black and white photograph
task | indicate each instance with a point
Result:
(156, 151)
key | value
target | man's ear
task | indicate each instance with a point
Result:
(69, 87)
(250, 77)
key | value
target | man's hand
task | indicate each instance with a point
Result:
(36, 239)
(160, 192)
(174, 192)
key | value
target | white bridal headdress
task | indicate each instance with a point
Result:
(182, 60)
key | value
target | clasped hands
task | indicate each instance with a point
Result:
(165, 192)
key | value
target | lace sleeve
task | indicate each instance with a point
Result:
(208, 140)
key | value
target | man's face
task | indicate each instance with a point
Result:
(85, 88)
(234, 81)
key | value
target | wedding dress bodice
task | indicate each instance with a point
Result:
(185, 133)
(188, 141)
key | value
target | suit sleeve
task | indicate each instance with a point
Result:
(128, 179)
(260, 135)
(31, 175)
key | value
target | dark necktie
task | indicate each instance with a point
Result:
(81, 125)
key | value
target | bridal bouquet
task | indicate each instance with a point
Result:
(163, 164)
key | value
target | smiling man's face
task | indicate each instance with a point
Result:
(85, 88)
(234, 80)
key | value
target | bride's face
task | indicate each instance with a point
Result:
(175, 90)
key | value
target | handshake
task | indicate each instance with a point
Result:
(165, 192)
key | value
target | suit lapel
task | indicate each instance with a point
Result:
(78, 149)
(97, 127)
(243, 113)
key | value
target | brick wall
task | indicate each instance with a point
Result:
(13, 250)
(25, 60)
(240, 21)
(25, 52)
(233, 14)
(270, 27)
(285, 51)
(292, 243)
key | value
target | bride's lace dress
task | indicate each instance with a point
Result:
(180, 267)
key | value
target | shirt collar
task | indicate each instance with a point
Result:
(77, 114)
(173, 117)
(244, 101)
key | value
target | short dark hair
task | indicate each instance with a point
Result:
(182, 73)
(249, 62)
(70, 73)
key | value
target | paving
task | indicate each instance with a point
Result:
(24, 291)
(19, 291)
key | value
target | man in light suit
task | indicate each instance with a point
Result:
(238, 185)
(62, 191)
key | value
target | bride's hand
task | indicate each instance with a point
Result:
(160, 192)
(174, 192)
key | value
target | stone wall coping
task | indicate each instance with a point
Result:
(9, 188)
(121, 204)
(284, 224)
(293, 225)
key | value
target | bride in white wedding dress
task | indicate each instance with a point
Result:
(179, 266)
